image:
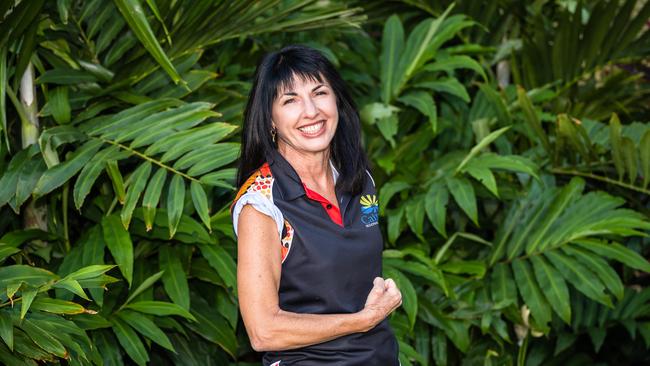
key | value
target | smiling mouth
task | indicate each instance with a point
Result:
(313, 129)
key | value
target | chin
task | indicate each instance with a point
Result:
(316, 146)
(311, 145)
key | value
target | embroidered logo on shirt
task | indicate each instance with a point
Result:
(369, 210)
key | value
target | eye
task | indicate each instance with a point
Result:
(321, 93)
(290, 100)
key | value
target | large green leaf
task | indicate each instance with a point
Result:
(90, 173)
(451, 63)
(7, 329)
(463, 192)
(531, 118)
(480, 146)
(630, 158)
(392, 44)
(159, 308)
(135, 16)
(152, 196)
(119, 243)
(130, 341)
(116, 179)
(554, 286)
(148, 282)
(146, 327)
(59, 174)
(60, 104)
(502, 286)
(28, 178)
(606, 273)
(617, 252)
(182, 143)
(425, 104)
(435, 204)
(415, 216)
(483, 175)
(175, 203)
(6, 250)
(200, 200)
(388, 190)
(3, 92)
(617, 149)
(90, 271)
(9, 179)
(212, 326)
(138, 182)
(57, 306)
(580, 276)
(450, 86)
(42, 338)
(418, 50)
(644, 154)
(174, 278)
(531, 293)
(565, 196)
(222, 262)
(409, 296)
(28, 294)
(17, 273)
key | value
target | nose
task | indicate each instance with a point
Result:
(310, 110)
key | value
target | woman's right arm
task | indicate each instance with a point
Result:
(259, 263)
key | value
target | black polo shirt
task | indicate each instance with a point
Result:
(327, 267)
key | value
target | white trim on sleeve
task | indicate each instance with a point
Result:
(262, 204)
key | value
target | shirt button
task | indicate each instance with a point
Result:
(329, 206)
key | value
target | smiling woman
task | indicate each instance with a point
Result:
(309, 250)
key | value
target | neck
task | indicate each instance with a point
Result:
(312, 168)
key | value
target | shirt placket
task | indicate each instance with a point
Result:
(332, 211)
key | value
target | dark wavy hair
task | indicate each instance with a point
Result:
(275, 72)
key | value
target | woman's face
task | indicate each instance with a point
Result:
(305, 116)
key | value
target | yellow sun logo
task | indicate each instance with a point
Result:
(369, 201)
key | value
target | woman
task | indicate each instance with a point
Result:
(309, 248)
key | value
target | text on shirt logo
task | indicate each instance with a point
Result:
(369, 210)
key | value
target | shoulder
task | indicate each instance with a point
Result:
(257, 191)
(261, 181)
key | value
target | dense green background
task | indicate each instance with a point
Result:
(508, 138)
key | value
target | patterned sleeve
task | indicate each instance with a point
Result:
(262, 204)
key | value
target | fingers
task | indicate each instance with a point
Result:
(379, 285)
(393, 292)
(389, 283)
(383, 299)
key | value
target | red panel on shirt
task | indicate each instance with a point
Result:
(332, 211)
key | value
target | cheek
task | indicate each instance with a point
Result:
(329, 107)
(285, 117)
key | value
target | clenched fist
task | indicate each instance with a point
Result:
(383, 299)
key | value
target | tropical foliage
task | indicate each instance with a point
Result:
(508, 138)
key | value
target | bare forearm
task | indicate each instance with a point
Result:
(286, 330)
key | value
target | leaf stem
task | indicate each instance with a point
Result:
(145, 157)
(64, 206)
(600, 178)
(11, 302)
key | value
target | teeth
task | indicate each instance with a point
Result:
(312, 128)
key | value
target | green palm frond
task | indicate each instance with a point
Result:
(554, 237)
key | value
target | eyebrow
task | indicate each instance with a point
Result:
(313, 90)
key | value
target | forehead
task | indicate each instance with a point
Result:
(298, 81)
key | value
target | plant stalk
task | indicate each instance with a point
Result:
(35, 214)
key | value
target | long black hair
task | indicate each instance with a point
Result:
(275, 72)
